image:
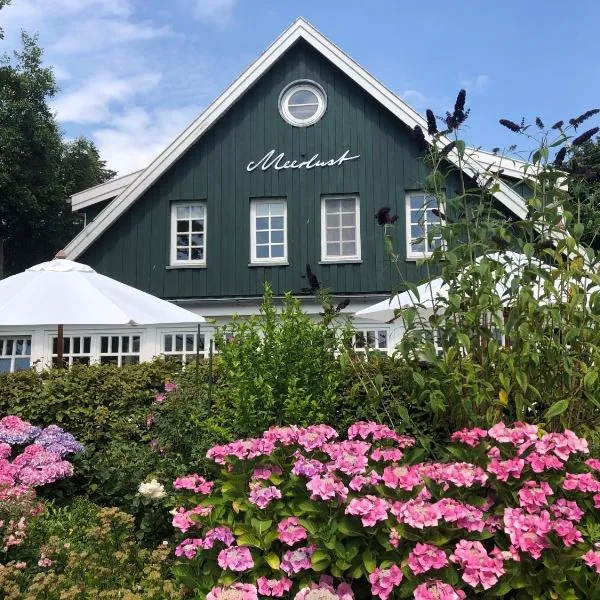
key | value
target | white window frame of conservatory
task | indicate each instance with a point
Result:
(363, 328)
(13, 357)
(95, 345)
(185, 354)
(68, 357)
(340, 259)
(410, 253)
(174, 262)
(279, 260)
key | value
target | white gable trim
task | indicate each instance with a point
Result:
(103, 191)
(300, 29)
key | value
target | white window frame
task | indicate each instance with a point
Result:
(70, 357)
(340, 259)
(412, 254)
(184, 354)
(13, 356)
(365, 330)
(292, 88)
(120, 354)
(175, 262)
(278, 260)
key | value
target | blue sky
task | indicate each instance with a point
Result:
(134, 73)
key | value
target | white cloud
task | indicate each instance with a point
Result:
(215, 12)
(94, 101)
(477, 85)
(133, 139)
(96, 34)
(416, 99)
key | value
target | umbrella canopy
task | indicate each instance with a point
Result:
(68, 293)
(431, 292)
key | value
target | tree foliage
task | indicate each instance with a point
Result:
(38, 170)
(584, 189)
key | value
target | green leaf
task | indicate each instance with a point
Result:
(558, 408)
(590, 378)
(460, 147)
(272, 560)
(464, 340)
(369, 561)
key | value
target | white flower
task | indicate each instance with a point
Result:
(152, 489)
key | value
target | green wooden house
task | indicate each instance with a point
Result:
(287, 167)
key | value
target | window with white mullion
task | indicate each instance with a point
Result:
(188, 233)
(15, 353)
(268, 231)
(340, 229)
(77, 349)
(183, 345)
(120, 349)
(371, 339)
(422, 216)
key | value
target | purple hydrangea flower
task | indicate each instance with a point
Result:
(55, 439)
(13, 430)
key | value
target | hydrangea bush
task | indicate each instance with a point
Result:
(297, 513)
(29, 458)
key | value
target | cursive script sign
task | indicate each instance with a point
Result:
(278, 162)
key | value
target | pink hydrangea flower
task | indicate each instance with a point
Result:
(284, 436)
(425, 557)
(342, 592)
(315, 436)
(533, 496)
(477, 566)
(235, 558)
(359, 481)
(593, 463)
(170, 386)
(290, 531)
(567, 532)
(470, 437)
(403, 477)
(567, 509)
(265, 472)
(562, 444)
(458, 474)
(543, 462)
(182, 519)
(349, 457)
(276, 588)
(307, 467)
(370, 509)
(387, 454)
(366, 429)
(189, 547)
(326, 488)
(592, 559)
(383, 581)
(296, 560)
(395, 537)
(503, 469)
(584, 482)
(263, 496)
(528, 532)
(236, 591)
(462, 515)
(437, 590)
(417, 514)
(194, 483)
(218, 534)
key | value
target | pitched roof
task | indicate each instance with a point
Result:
(103, 191)
(299, 30)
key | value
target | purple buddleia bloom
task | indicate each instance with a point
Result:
(55, 439)
(13, 430)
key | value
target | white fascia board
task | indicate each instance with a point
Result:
(102, 191)
(300, 29)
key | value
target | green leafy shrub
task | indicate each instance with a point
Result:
(85, 551)
(514, 516)
(515, 332)
(277, 367)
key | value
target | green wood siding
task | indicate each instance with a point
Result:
(136, 248)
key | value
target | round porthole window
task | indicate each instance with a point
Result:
(302, 103)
